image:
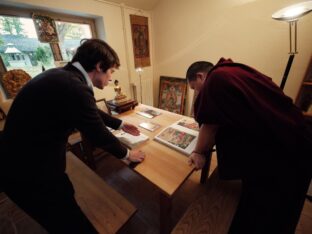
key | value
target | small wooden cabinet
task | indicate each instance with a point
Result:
(304, 98)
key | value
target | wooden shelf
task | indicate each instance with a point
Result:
(304, 97)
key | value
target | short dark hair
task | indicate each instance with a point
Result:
(92, 51)
(199, 66)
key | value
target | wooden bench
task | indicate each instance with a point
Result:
(214, 211)
(106, 209)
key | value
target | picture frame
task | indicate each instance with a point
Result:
(172, 94)
(45, 28)
(140, 40)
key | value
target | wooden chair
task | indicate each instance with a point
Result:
(102, 105)
(82, 148)
(5, 104)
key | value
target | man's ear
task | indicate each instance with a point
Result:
(98, 67)
(201, 76)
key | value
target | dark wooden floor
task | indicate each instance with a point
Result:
(145, 197)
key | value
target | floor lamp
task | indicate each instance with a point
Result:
(291, 14)
(139, 70)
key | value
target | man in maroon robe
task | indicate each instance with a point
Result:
(261, 138)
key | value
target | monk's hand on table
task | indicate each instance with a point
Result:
(198, 160)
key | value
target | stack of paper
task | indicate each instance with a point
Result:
(130, 140)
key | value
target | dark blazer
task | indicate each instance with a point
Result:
(41, 118)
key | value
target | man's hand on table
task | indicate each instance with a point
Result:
(136, 156)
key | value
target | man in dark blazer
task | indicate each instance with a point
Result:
(33, 142)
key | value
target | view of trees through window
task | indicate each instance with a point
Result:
(21, 49)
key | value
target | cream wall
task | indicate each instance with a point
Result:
(189, 30)
(112, 23)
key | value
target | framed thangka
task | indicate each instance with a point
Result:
(45, 28)
(172, 93)
(140, 40)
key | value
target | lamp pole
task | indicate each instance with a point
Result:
(139, 71)
(292, 50)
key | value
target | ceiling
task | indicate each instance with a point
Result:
(140, 4)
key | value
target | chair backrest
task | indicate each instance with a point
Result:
(5, 104)
(102, 105)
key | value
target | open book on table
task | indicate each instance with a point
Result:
(130, 140)
(181, 135)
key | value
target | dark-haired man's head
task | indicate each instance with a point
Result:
(98, 59)
(196, 74)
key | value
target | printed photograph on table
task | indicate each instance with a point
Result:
(172, 93)
(181, 136)
(149, 126)
(189, 123)
(176, 137)
(149, 113)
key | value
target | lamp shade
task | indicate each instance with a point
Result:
(293, 12)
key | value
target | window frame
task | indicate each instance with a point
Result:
(55, 47)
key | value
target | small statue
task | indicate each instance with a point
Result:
(120, 97)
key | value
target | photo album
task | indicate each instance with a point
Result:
(181, 135)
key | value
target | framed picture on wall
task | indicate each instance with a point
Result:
(45, 28)
(140, 40)
(172, 93)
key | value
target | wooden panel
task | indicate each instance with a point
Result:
(105, 208)
(163, 166)
(213, 212)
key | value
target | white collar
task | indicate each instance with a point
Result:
(84, 73)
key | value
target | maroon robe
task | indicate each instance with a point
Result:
(259, 126)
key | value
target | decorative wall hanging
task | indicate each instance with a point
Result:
(45, 28)
(172, 92)
(13, 81)
(140, 40)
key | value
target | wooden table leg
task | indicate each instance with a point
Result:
(165, 213)
(205, 170)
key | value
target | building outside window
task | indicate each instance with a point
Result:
(21, 49)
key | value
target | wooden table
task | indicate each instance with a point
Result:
(165, 167)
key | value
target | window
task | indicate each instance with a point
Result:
(21, 49)
(70, 35)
